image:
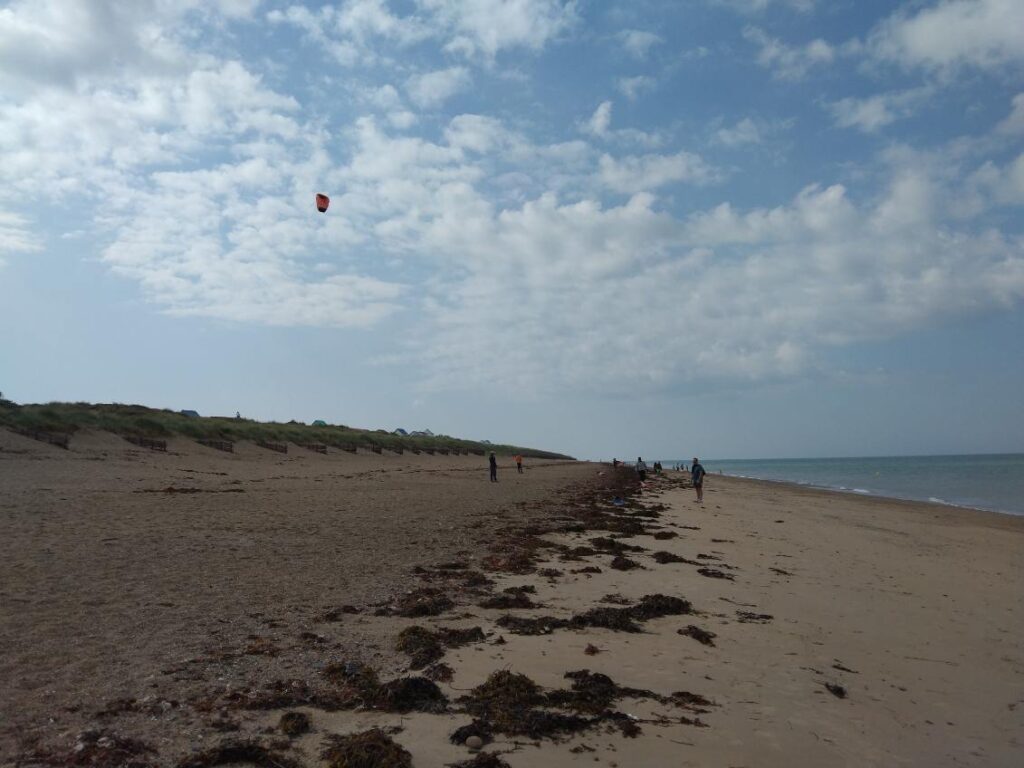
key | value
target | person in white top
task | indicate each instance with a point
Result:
(641, 469)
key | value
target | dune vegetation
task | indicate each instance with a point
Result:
(142, 421)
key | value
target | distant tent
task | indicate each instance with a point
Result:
(190, 414)
(319, 423)
(400, 431)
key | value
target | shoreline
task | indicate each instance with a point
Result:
(862, 493)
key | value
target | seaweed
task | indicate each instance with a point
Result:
(422, 646)
(658, 605)
(748, 617)
(588, 569)
(667, 557)
(618, 619)
(479, 728)
(294, 724)
(368, 749)
(836, 690)
(606, 544)
(592, 692)
(698, 634)
(454, 637)
(712, 573)
(541, 625)
(621, 563)
(359, 685)
(96, 749)
(406, 694)
(427, 601)
(663, 535)
(230, 752)
(439, 673)
(691, 701)
(513, 597)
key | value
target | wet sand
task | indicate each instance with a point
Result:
(911, 613)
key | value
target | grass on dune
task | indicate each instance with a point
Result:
(141, 421)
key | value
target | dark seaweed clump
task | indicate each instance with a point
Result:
(424, 646)
(513, 597)
(359, 685)
(95, 749)
(510, 703)
(369, 749)
(294, 724)
(698, 634)
(619, 619)
(427, 601)
(231, 752)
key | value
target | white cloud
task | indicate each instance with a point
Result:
(751, 6)
(953, 33)
(638, 43)
(600, 121)
(431, 89)
(350, 31)
(16, 235)
(744, 132)
(632, 87)
(752, 294)
(790, 62)
(489, 26)
(633, 174)
(875, 112)
(1013, 124)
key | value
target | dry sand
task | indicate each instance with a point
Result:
(111, 588)
(914, 609)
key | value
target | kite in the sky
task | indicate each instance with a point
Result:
(322, 201)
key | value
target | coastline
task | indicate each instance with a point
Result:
(910, 609)
(866, 494)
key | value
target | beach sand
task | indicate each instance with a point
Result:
(191, 608)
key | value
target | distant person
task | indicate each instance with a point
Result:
(493, 461)
(615, 463)
(519, 464)
(641, 469)
(697, 475)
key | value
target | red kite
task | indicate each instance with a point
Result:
(322, 201)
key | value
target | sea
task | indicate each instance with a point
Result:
(993, 482)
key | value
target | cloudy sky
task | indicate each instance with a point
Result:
(738, 228)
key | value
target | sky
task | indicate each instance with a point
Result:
(732, 228)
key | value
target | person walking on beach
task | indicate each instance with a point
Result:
(641, 469)
(493, 461)
(519, 464)
(697, 475)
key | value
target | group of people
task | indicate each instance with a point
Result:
(697, 473)
(493, 461)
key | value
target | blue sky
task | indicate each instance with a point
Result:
(738, 228)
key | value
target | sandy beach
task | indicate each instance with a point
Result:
(168, 609)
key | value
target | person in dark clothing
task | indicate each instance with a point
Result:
(641, 469)
(697, 475)
(494, 467)
(519, 464)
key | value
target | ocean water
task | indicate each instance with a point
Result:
(988, 481)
